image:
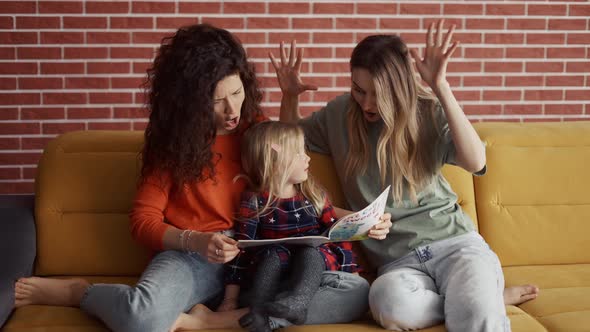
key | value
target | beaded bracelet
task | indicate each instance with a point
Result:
(188, 241)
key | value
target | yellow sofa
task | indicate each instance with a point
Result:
(533, 208)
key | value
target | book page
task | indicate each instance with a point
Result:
(355, 226)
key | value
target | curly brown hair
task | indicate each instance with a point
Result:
(180, 87)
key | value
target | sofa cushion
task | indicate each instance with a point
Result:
(533, 204)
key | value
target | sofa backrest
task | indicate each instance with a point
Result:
(533, 204)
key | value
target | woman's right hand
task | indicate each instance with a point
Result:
(288, 71)
(216, 247)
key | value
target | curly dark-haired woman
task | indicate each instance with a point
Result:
(203, 95)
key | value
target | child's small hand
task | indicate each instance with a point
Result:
(228, 305)
(380, 231)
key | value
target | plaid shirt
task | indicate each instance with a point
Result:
(291, 217)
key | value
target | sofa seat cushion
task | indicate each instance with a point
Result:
(563, 303)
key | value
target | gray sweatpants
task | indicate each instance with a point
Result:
(457, 280)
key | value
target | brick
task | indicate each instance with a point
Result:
(467, 95)
(527, 24)
(547, 10)
(7, 38)
(21, 187)
(8, 68)
(564, 109)
(110, 98)
(141, 67)
(8, 83)
(482, 109)
(131, 22)
(501, 95)
(482, 80)
(64, 98)
(267, 23)
(525, 52)
(139, 125)
(8, 173)
(458, 66)
(483, 52)
(18, 7)
(543, 95)
(143, 7)
(6, 22)
(504, 38)
(38, 52)
(87, 82)
(199, 7)
(251, 37)
(578, 38)
(139, 98)
(325, 96)
(84, 22)
(485, 23)
(40, 83)
(130, 112)
(8, 113)
(277, 37)
(61, 7)
(19, 158)
(578, 67)
(38, 22)
(333, 8)
(244, 8)
(19, 128)
(567, 24)
(175, 22)
(524, 80)
(330, 67)
(577, 94)
(289, 8)
(109, 125)
(62, 68)
(399, 23)
(31, 172)
(127, 82)
(523, 109)
(376, 8)
(545, 38)
(89, 113)
(132, 52)
(10, 143)
(356, 23)
(60, 128)
(108, 67)
(86, 52)
(567, 52)
(463, 9)
(579, 10)
(7, 53)
(312, 23)
(46, 113)
(544, 66)
(107, 37)
(107, 7)
(420, 8)
(505, 9)
(333, 37)
(148, 37)
(564, 80)
(226, 22)
(62, 37)
(20, 98)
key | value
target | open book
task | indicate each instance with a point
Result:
(353, 227)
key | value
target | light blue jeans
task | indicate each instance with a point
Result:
(457, 280)
(175, 281)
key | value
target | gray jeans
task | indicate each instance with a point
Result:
(457, 280)
(175, 281)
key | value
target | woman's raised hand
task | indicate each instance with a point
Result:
(433, 67)
(288, 71)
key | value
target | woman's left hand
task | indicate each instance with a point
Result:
(380, 231)
(433, 68)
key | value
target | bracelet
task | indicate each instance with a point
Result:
(182, 239)
(188, 239)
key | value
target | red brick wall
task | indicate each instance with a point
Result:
(72, 65)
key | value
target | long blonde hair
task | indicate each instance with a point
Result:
(268, 151)
(405, 147)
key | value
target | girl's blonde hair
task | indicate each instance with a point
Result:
(405, 147)
(268, 151)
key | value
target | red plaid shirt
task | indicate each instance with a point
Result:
(291, 217)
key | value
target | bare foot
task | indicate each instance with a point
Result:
(516, 295)
(196, 319)
(61, 292)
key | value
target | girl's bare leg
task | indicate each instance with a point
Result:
(200, 317)
(49, 291)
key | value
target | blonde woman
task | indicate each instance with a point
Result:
(282, 201)
(433, 266)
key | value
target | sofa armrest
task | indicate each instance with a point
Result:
(17, 246)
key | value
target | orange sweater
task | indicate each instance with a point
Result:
(205, 206)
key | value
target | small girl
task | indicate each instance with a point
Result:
(284, 202)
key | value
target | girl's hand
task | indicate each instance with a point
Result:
(216, 247)
(380, 231)
(433, 68)
(288, 72)
(228, 305)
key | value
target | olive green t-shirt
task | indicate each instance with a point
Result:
(435, 216)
